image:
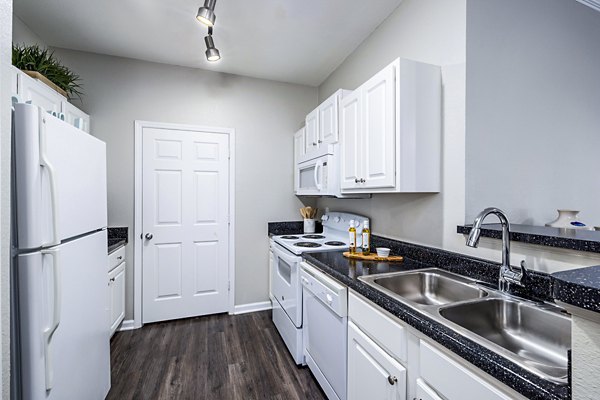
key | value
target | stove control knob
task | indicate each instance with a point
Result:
(336, 219)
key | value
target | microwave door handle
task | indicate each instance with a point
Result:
(318, 172)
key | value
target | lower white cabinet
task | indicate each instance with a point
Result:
(116, 284)
(424, 392)
(116, 289)
(372, 373)
(388, 359)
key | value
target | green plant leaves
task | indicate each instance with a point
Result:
(34, 58)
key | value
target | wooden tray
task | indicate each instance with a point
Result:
(373, 257)
(46, 81)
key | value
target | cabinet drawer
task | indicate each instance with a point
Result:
(116, 257)
(452, 380)
(388, 333)
(116, 284)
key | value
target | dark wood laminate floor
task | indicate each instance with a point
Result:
(212, 357)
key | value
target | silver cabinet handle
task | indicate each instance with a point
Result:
(120, 258)
(355, 180)
(392, 380)
(314, 144)
(149, 236)
(362, 180)
(319, 141)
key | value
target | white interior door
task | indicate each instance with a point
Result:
(185, 217)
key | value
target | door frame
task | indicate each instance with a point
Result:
(137, 228)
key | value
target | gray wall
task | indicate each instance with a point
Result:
(23, 35)
(533, 109)
(424, 30)
(264, 114)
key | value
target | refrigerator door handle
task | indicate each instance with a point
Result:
(55, 254)
(44, 162)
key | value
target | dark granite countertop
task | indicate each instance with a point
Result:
(579, 287)
(540, 285)
(117, 237)
(290, 228)
(572, 239)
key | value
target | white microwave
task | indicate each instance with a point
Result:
(317, 177)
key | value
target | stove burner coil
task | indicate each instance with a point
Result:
(307, 244)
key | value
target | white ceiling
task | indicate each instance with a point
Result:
(299, 41)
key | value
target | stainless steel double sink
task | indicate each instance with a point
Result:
(535, 336)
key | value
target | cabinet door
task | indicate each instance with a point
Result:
(299, 145)
(14, 80)
(116, 282)
(75, 116)
(39, 94)
(424, 392)
(372, 373)
(350, 136)
(312, 131)
(328, 120)
(379, 129)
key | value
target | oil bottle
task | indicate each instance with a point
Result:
(352, 234)
(366, 238)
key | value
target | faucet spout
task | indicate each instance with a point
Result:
(507, 274)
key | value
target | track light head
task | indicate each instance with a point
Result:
(206, 14)
(212, 53)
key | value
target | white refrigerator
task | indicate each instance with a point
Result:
(60, 314)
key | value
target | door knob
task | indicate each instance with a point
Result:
(149, 236)
(392, 380)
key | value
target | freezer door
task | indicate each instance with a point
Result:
(60, 178)
(64, 328)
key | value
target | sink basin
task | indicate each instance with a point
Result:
(426, 287)
(534, 336)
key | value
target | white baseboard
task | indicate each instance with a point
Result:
(127, 325)
(252, 307)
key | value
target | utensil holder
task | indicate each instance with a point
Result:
(309, 225)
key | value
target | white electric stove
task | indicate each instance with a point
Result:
(334, 237)
(286, 256)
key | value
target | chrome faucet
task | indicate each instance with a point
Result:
(508, 275)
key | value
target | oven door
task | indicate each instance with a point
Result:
(309, 177)
(285, 283)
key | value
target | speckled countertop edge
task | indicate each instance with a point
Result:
(571, 239)
(117, 237)
(497, 366)
(579, 287)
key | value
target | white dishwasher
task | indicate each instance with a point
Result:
(325, 317)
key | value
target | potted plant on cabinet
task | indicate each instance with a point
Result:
(41, 64)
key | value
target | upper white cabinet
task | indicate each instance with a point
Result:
(31, 90)
(14, 80)
(75, 116)
(299, 145)
(390, 131)
(39, 94)
(312, 132)
(322, 126)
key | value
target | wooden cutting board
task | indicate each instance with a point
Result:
(372, 257)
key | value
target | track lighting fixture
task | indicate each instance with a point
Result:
(212, 53)
(206, 14)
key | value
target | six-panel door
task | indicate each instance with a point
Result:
(185, 222)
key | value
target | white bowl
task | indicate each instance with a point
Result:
(383, 252)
